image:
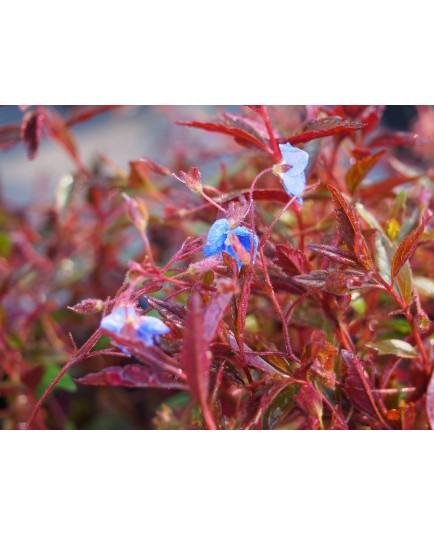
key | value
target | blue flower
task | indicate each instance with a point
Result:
(219, 240)
(146, 328)
(291, 169)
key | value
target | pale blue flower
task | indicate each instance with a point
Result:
(218, 240)
(146, 328)
(291, 169)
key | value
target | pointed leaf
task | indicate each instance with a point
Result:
(358, 386)
(195, 356)
(84, 113)
(335, 254)
(31, 132)
(397, 139)
(236, 128)
(292, 261)
(394, 347)
(133, 376)
(406, 249)
(327, 126)
(360, 170)
(349, 228)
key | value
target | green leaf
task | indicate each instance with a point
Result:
(280, 407)
(394, 347)
(5, 245)
(66, 383)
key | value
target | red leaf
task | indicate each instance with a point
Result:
(349, 228)
(59, 131)
(320, 128)
(358, 386)
(360, 169)
(153, 166)
(397, 139)
(195, 356)
(232, 126)
(255, 107)
(430, 401)
(406, 249)
(386, 186)
(335, 254)
(290, 260)
(31, 132)
(84, 113)
(371, 116)
(133, 376)
(9, 136)
(216, 309)
(309, 400)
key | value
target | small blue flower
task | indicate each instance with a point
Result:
(219, 240)
(291, 170)
(146, 328)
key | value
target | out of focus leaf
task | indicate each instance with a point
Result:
(394, 347)
(66, 383)
(133, 376)
(9, 136)
(360, 170)
(396, 139)
(425, 286)
(430, 401)
(31, 132)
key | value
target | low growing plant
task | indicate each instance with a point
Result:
(290, 289)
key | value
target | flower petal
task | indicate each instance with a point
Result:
(115, 321)
(294, 184)
(294, 157)
(245, 236)
(216, 237)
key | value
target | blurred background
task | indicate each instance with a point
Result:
(133, 132)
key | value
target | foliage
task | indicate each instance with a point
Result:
(316, 314)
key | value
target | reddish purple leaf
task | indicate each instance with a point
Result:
(335, 254)
(309, 400)
(195, 355)
(358, 386)
(320, 128)
(349, 228)
(31, 132)
(398, 139)
(84, 113)
(430, 401)
(240, 129)
(360, 170)
(9, 136)
(133, 376)
(216, 309)
(292, 261)
(406, 249)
